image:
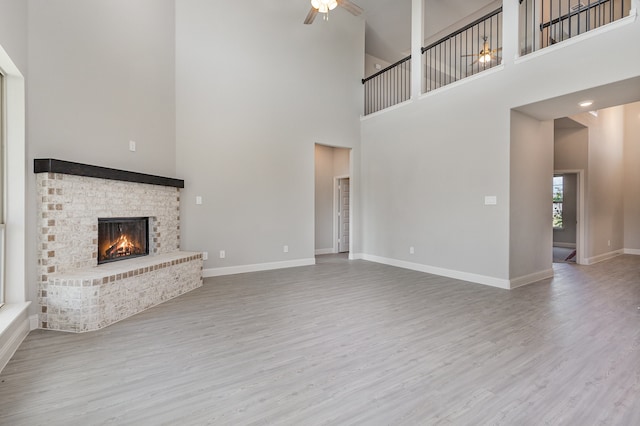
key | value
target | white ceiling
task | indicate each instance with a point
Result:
(619, 93)
(388, 22)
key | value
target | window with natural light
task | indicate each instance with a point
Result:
(558, 198)
(2, 180)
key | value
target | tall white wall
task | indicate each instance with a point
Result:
(256, 90)
(604, 198)
(631, 183)
(324, 198)
(100, 73)
(13, 31)
(531, 235)
(427, 166)
(571, 152)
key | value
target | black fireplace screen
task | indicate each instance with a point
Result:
(122, 238)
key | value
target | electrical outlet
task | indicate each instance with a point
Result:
(285, 249)
(223, 254)
(205, 255)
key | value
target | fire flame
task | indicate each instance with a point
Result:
(121, 247)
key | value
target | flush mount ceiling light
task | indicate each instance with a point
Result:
(585, 104)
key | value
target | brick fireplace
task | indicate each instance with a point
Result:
(75, 293)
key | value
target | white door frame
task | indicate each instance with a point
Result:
(581, 238)
(336, 208)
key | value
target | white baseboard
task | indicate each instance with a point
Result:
(603, 257)
(241, 269)
(355, 256)
(325, 251)
(632, 251)
(14, 327)
(33, 322)
(564, 245)
(459, 275)
(531, 278)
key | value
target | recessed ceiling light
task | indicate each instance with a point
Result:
(585, 104)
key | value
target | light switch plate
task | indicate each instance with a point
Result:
(490, 200)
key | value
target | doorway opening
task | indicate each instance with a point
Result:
(333, 188)
(567, 216)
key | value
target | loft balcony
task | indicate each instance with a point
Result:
(475, 44)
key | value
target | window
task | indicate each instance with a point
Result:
(2, 180)
(558, 198)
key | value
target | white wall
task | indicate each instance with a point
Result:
(256, 90)
(632, 177)
(324, 198)
(531, 177)
(100, 73)
(427, 165)
(604, 198)
(571, 152)
(13, 31)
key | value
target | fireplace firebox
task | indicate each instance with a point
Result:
(122, 238)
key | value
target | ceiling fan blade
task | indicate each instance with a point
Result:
(353, 8)
(311, 16)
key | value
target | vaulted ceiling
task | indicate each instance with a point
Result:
(388, 22)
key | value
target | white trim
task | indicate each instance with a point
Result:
(564, 245)
(387, 109)
(531, 278)
(603, 257)
(635, 252)
(462, 81)
(336, 207)
(11, 340)
(15, 182)
(450, 273)
(33, 322)
(581, 218)
(329, 250)
(579, 38)
(356, 256)
(241, 269)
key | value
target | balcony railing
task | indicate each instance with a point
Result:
(388, 87)
(465, 52)
(546, 22)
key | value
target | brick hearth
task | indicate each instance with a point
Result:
(77, 295)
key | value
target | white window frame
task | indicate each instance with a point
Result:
(3, 169)
(14, 161)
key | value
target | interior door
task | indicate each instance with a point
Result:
(343, 215)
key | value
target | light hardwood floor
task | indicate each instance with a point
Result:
(349, 342)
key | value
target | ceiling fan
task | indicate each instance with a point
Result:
(486, 55)
(324, 6)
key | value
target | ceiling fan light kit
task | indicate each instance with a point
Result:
(324, 6)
